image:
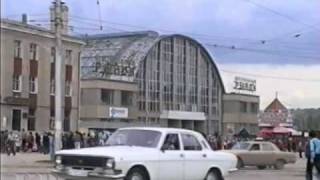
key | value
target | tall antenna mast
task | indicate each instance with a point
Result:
(99, 13)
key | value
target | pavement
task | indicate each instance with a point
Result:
(32, 166)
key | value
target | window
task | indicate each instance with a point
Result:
(267, 147)
(68, 88)
(52, 87)
(33, 51)
(190, 143)
(66, 122)
(16, 83)
(171, 142)
(16, 119)
(53, 55)
(254, 108)
(17, 49)
(68, 56)
(107, 96)
(255, 147)
(126, 98)
(243, 107)
(33, 85)
(31, 120)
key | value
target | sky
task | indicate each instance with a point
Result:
(246, 38)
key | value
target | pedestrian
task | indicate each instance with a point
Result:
(300, 148)
(24, 140)
(51, 146)
(45, 143)
(313, 155)
(77, 140)
(30, 141)
(70, 141)
(38, 141)
(10, 145)
(17, 141)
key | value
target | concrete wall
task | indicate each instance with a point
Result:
(44, 40)
(234, 119)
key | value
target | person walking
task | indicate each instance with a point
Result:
(46, 143)
(24, 136)
(300, 148)
(10, 145)
(313, 155)
(77, 140)
(38, 141)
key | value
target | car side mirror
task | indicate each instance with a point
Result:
(163, 148)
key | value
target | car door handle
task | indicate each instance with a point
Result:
(204, 155)
(182, 155)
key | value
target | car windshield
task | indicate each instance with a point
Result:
(241, 146)
(134, 137)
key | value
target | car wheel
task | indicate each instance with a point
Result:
(279, 164)
(240, 163)
(137, 174)
(213, 175)
(261, 167)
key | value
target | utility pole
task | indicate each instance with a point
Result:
(58, 72)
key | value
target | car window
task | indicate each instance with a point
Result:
(241, 146)
(267, 147)
(255, 147)
(190, 143)
(171, 142)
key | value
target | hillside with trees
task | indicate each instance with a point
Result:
(306, 119)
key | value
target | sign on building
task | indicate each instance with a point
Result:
(244, 84)
(118, 112)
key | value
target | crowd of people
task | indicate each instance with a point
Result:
(14, 141)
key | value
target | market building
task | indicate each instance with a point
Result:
(147, 79)
(274, 115)
(27, 76)
(240, 113)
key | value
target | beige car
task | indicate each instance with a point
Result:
(261, 154)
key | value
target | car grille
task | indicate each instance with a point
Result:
(83, 161)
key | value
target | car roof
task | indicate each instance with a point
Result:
(161, 129)
(257, 142)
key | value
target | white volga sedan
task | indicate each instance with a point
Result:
(147, 154)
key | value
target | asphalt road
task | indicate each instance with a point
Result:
(20, 168)
(290, 172)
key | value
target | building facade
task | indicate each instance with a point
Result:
(27, 77)
(144, 79)
(240, 112)
(274, 115)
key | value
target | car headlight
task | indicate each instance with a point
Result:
(58, 160)
(110, 163)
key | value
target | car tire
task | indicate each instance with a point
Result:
(214, 175)
(240, 163)
(261, 167)
(137, 174)
(279, 164)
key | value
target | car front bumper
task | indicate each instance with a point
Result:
(232, 170)
(68, 173)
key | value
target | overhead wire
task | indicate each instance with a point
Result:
(270, 77)
(281, 14)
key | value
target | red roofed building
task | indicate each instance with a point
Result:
(275, 114)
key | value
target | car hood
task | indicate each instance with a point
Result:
(109, 151)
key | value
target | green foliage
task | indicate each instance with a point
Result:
(306, 119)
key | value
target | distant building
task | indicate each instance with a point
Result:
(27, 77)
(275, 114)
(240, 112)
(144, 79)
